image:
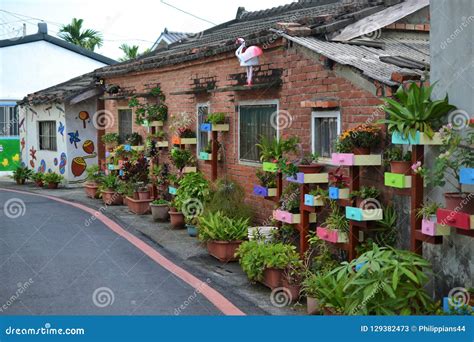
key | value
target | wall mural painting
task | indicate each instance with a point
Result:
(55, 161)
(5, 162)
(21, 126)
(22, 143)
(48, 109)
(79, 164)
(61, 128)
(74, 138)
(33, 157)
(63, 163)
(42, 167)
(85, 117)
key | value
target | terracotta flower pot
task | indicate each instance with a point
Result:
(39, 184)
(401, 167)
(176, 219)
(143, 195)
(462, 202)
(273, 277)
(309, 169)
(138, 207)
(91, 190)
(361, 150)
(159, 212)
(223, 250)
(111, 197)
(20, 181)
(294, 289)
(312, 306)
(53, 185)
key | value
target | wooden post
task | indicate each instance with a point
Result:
(304, 223)
(100, 132)
(214, 157)
(354, 174)
(418, 155)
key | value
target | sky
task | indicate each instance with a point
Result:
(137, 22)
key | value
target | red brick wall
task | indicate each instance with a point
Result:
(304, 77)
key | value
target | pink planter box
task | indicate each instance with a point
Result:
(343, 159)
(287, 217)
(434, 229)
(333, 236)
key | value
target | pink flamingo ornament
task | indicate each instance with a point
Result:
(248, 57)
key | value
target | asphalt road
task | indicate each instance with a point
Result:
(53, 263)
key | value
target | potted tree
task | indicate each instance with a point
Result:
(160, 209)
(400, 161)
(109, 188)
(222, 234)
(38, 178)
(52, 180)
(111, 140)
(21, 174)
(93, 180)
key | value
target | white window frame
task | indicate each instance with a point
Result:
(199, 105)
(237, 136)
(6, 127)
(323, 114)
(54, 131)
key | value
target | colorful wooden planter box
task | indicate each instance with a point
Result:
(309, 178)
(264, 192)
(205, 156)
(172, 190)
(190, 169)
(287, 217)
(207, 127)
(432, 228)
(397, 180)
(162, 144)
(331, 235)
(358, 214)
(156, 124)
(466, 176)
(313, 201)
(336, 193)
(350, 159)
(138, 148)
(183, 141)
(270, 167)
(455, 219)
(112, 167)
(419, 139)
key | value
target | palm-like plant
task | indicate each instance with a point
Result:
(130, 52)
(273, 149)
(415, 111)
(87, 38)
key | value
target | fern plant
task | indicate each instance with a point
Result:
(218, 227)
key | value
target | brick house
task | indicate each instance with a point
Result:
(325, 67)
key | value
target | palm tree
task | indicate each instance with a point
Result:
(131, 52)
(87, 38)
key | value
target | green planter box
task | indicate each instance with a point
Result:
(396, 180)
(270, 167)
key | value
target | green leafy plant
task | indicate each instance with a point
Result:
(427, 210)
(382, 281)
(290, 199)
(181, 157)
(338, 179)
(150, 111)
(216, 118)
(336, 220)
(52, 178)
(361, 136)
(94, 174)
(218, 227)
(229, 198)
(195, 188)
(320, 192)
(255, 257)
(37, 177)
(110, 138)
(160, 202)
(309, 158)
(287, 168)
(396, 153)
(22, 173)
(134, 139)
(110, 182)
(366, 192)
(413, 110)
(273, 149)
(267, 179)
(385, 231)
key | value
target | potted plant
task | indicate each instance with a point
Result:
(413, 112)
(181, 157)
(52, 180)
(308, 164)
(160, 209)
(429, 223)
(93, 180)
(142, 191)
(273, 149)
(148, 113)
(177, 218)
(192, 226)
(267, 184)
(109, 188)
(338, 185)
(215, 122)
(293, 278)
(336, 226)
(400, 161)
(111, 140)
(222, 234)
(134, 139)
(359, 140)
(289, 206)
(38, 178)
(316, 197)
(365, 193)
(21, 174)
(180, 129)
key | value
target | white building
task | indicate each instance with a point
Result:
(28, 64)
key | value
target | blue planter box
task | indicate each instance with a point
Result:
(336, 193)
(172, 190)
(263, 191)
(206, 127)
(313, 201)
(466, 176)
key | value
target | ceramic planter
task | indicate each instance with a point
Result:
(270, 167)
(358, 214)
(432, 228)
(419, 139)
(401, 167)
(273, 277)
(111, 197)
(336, 193)
(397, 180)
(287, 217)
(332, 235)
(224, 251)
(192, 230)
(205, 156)
(159, 212)
(39, 184)
(138, 207)
(351, 159)
(462, 202)
(309, 178)
(176, 219)
(53, 185)
(21, 181)
(264, 192)
(313, 201)
(91, 190)
(312, 306)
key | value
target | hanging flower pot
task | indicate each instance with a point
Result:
(401, 167)
(312, 168)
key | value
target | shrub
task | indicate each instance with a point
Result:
(22, 173)
(52, 178)
(229, 198)
(216, 118)
(110, 138)
(218, 227)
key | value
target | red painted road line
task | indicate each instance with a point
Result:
(217, 299)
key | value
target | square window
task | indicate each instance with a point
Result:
(47, 135)
(326, 127)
